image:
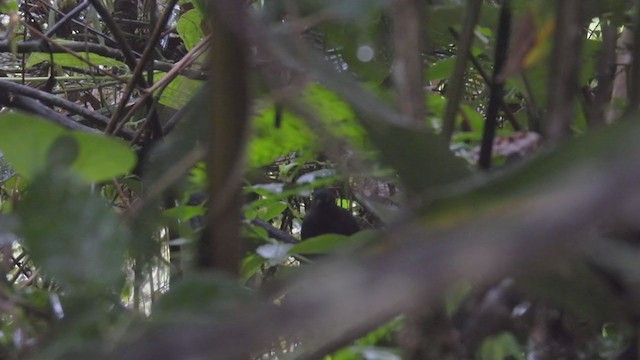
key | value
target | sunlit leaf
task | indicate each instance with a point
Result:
(271, 210)
(320, 244)
(189, 28)
(184, 213)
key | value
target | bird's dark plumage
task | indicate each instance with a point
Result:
(326, 217)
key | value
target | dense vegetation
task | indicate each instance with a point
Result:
(157, 160)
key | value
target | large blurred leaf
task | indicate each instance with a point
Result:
(71, 233)
(199, 295)
(101, 158)
(25, 141)
(422, 158)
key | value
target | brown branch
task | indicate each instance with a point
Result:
(121, 40)
(53, 100)
(221, 247)
(563, 76)
(29, 46)
(407, 68)
(35, 107)
(136, 76)
(491, 120)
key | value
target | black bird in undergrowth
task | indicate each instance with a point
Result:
(326, 217)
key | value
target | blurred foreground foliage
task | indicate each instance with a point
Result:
(104, 212)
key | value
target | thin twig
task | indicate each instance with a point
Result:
(72, 53)
(140, 65)
(53, 100)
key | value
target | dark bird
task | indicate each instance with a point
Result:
(326, 217)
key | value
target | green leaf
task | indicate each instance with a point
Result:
(320, 244)
(25, 141)
(250, 266)
(102, 158)
(184, 213)
(189, 28)
(271, 210)
(71, 233)
(63, 151)
(7, 7)
(500, 347)
(179, 91)
(442, 69)
(71, 61)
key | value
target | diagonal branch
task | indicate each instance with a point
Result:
(53, 100)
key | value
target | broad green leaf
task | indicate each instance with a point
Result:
(72, 234)
(63, 152)
(250, 266)
(184, 213)
(179, 91)
(102, 158)
(320, 244)
(442, 69)
(27, 139)
(71, 61)
(189, 28)
(271, 210)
